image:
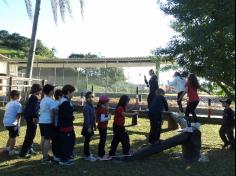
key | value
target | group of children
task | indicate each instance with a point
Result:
(54, 112)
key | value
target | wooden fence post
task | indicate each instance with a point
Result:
(10, 88)
(209, 108)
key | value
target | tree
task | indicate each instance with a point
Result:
(205, 44)
(64, 6)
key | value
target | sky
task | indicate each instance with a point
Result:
(110, 28)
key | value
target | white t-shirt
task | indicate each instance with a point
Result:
(46, 106)
(178, 83)
(12, 109)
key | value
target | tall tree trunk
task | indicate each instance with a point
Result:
(33, 40)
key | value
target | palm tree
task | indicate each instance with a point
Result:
(64, 6)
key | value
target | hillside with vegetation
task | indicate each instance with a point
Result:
(16, 46)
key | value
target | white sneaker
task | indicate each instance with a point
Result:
(56, 159)
(13, 153)
(66, 163)
(91, 158)
(188, 130)
(105, 158)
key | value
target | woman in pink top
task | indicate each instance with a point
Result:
(192, 87)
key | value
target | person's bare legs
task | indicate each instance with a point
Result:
(42, 144)
(46, 147)
(8, 144)
(12, 143)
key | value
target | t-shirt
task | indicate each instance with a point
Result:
(102, 111)
(119, 118)
(46, 106)
(192, 93)
(179, 84)
(12, 109)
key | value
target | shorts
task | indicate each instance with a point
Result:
(46, 131)
(13, 131)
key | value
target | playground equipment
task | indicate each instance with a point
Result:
(191, 147)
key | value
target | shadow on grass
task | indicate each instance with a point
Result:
(160, 164)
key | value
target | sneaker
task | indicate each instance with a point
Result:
(66, 163)
(232, 147)
(33, 152)
(56, 159)
(13, 153)
(188, 130)
(225, 146)
(46, 161)
(91, 158)
(105, 158)
(26, 156)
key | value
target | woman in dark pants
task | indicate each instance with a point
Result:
(153, 86)
(192, 87)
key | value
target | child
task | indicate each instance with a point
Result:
(89, 126)
(179, 84)
(47, 107)
(11, 121)
(66, 126)
(31, 115)
(102, 119)
(120, 134)
(55, 141)
(192, 87)
(228, 124)
(159, 105)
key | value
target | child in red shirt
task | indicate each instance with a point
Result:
(102, 119)
(120, 134)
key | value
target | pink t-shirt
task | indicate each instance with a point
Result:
(192, 93)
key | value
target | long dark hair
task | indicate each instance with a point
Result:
(124, 101)
(193, 81)
(178, 74)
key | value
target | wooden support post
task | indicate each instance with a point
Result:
(10, 88)
(209, 108)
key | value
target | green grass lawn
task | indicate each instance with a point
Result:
(222, 163)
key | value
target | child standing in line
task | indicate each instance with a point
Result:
(66, 126)
(102, 118)
(11, 121)
(46, 120)
(159, 105)
(31, 115)
(55, 141)
(89, 126)
(120, 134)
(228, 124)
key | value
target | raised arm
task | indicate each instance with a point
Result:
(146, 81)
